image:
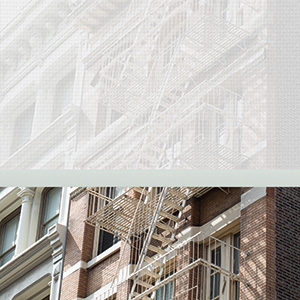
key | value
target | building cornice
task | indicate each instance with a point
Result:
(9, 200)
(77, 192)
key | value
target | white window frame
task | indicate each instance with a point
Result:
(6, 220)
(165, 287)
(97, 230)
(53, 77)
(45, 194)
(226, 263)
(20, 112)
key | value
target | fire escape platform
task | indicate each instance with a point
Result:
(116, 216)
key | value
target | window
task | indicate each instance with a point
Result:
(166, 292)
(106, 239)
(219, 286)
(174, 145)
(114, 116)
(159, 189)
(214, 274)
(22, 128)
(50, 209)
(114, 192)
(9, 229)
(236, 264)
(64, 93)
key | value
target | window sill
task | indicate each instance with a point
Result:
(25, 261)
(32, 256)
(96, 260)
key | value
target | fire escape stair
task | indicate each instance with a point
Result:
(153, 219)
(169, 224)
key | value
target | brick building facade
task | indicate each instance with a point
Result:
(262, 222)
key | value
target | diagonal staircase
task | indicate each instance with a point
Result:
(152, 222)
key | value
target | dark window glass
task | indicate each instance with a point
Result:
(8, 239)
(106, 239)
(114, 192)
(166, 292)
(159, 189)
(51, 209)
(236, 263)
(215, 276)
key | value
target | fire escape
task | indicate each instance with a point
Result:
(168, 68)
(147, 220)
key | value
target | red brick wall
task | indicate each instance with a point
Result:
(212, 204)
(80, 239)
(270, 243)
(257, 237)
(103, 273)
(79, 247)
(198, 212)
(287, 229)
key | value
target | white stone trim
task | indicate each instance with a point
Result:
(105, 289)
(252, 196)
(83, 265)
(25, 216)
(108, 289)
(211, 227)
(214, 225)
(116, 247)
(79, 265)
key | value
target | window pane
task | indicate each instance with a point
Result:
(106, 240)
(9, 234)
(159, 190)
(160, 294)
(22, 128)
(119, 191)
(166, 291)
(7, 257)
(114, 192)
(48, 225)
(64, 92)
(169, 291)
(215, 280)
(236, 263)
(115, 115)
(52, 204)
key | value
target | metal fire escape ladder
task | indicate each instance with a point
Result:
(185, 250)
(127, 239)
(170, 198)
(147, 222)
(148, 237)
(172, 239)
(160, 96)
